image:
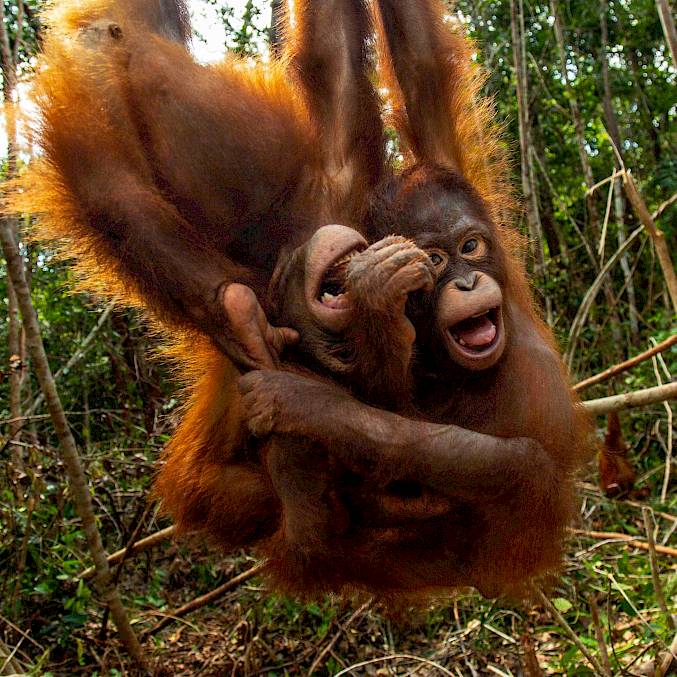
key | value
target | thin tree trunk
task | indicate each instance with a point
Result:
(8, 63)
(619, 209)
(609, 114)
(14, 343)
(552, 231)
(645, 107)
(668, 24)
(69, 452)
(588, 176)
(619, 199)
(657, 237)
(533, 217)
(150, 391)
(19, 31)
(551, 228)
(16, 368)
(576, 116)
(275, 31)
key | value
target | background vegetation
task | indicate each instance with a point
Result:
(598, 77)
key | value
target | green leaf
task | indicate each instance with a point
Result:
(562, 605)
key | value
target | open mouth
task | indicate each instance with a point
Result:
(477, 334)
(477, 342)
(332, 293)
(326, 272)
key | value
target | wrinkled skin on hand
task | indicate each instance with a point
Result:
(258, 345)
(384, 274)
(281, 402)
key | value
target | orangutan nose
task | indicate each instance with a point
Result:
(466, 283)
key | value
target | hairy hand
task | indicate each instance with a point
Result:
(255, 344)
(282, 402)
(387, 271)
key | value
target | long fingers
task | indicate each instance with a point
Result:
(258, 344)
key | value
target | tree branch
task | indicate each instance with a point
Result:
(69, 451)
(203, 600)
(625, 366)
(639, 398)
(135, 548)
(625, 538)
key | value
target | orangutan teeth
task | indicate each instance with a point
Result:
(336, 301)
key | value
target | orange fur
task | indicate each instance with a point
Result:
(616, 474)
(467, 138)
(211, 439)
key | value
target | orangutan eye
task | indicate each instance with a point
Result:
(469, 246)
(436, 258)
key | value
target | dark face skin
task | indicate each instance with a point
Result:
(462, 324)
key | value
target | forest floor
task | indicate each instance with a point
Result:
(606, 597)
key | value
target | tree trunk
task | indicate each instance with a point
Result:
(20, 13)
(16, 371)
(620, 210)
(657, 237)
(533, 217)
(69, 452)
(588, 176)
(609, 114)
(579, 128)
(619, 199)
(15, 345)
(552, 231)
(668, 24)
(275, 31)
(645, 107)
